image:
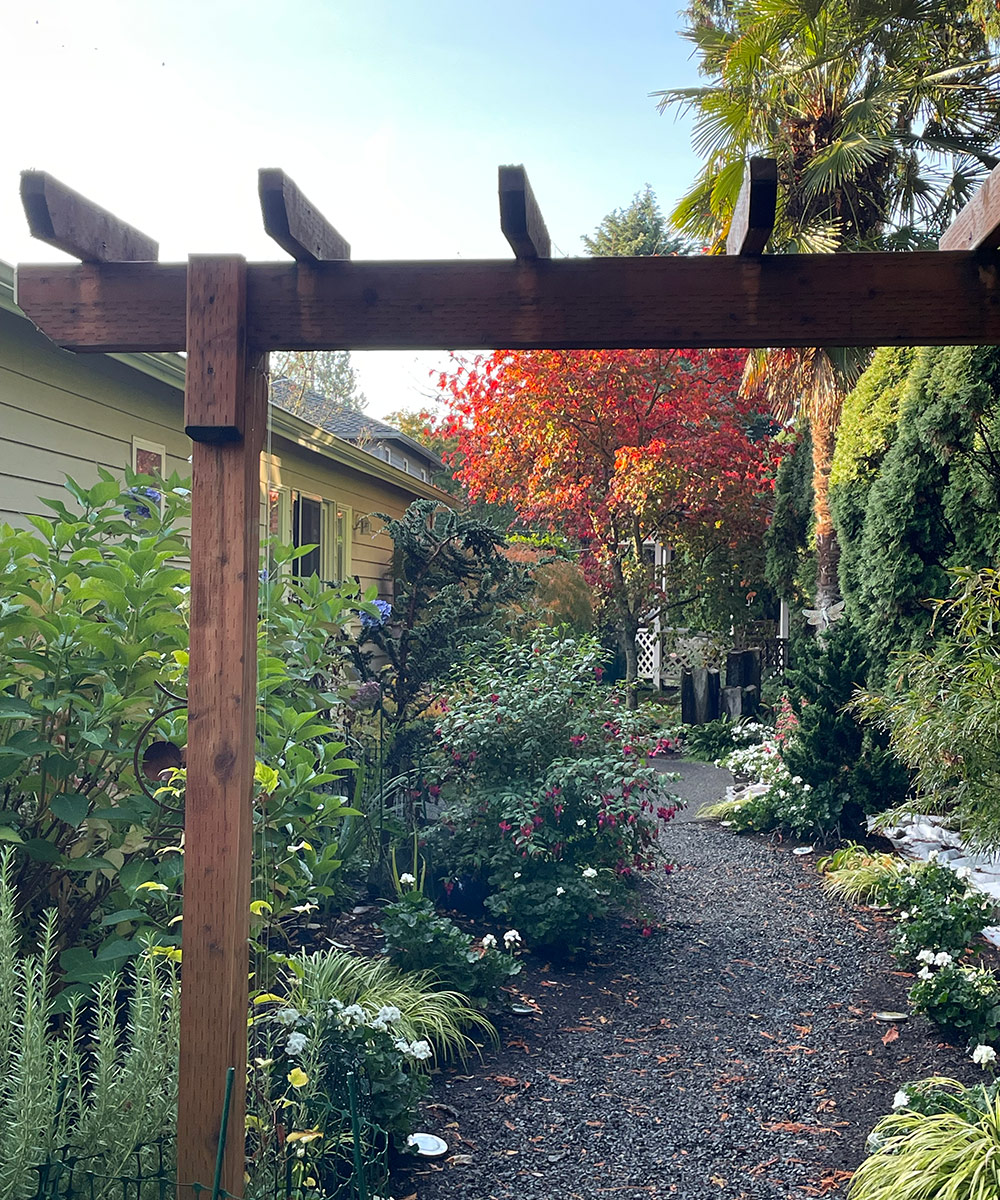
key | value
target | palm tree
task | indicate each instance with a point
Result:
(883, 116)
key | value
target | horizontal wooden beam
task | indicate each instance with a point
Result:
(978, 223)
(296, 224)
(520, 217)
(756, 205)
(914, 299)
(72, 223)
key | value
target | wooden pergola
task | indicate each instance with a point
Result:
(228, 314)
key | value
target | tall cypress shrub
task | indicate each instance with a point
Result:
(934, 502)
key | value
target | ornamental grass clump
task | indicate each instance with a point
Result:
(856, 874)
(942, 1142)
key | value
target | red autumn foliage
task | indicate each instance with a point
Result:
(614, 447)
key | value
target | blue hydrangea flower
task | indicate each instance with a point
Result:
(370, 621)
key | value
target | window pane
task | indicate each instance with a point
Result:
(307, 527)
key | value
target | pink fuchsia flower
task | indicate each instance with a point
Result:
(577, 739)
(434, 789)
(598, 673)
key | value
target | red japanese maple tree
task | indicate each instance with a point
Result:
(616, 448)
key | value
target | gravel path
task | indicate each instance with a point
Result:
(732, 1054)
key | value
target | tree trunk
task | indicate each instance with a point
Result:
(627, 637)
(827, 545)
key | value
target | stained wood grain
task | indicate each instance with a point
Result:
(978, 224)
(72, 223)
(756, 205)
(925, 298)
(220, 754)
(296, 224)
(520, 217)
(216, 346)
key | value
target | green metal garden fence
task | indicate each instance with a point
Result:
(354, 1167)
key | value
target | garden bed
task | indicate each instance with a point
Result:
(731, 1053)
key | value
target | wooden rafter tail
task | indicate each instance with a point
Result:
(296, 224)
(753, 216)
(72, 223)
(520, 217)
(977, 226)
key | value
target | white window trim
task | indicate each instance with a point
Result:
(139, 443)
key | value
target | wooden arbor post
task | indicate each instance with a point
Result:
(225, 409)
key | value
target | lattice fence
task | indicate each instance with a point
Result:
(664, 656)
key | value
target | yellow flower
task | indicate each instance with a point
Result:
(304, 1135)
(297, 1077)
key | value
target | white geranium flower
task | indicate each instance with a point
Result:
(589, 873)
(511, 938)
(904, 915)
(517, 874)
(964, 872)
(353, 1014)
(287, 1016)
(901, 1099)
(296, 1043)
(489, 942)
(406, 878)
(560, 891)
(943, 959)
(984, 1056)
(387, 1015)
(925, 973)
(581, 821)
(933, 856)
(926, 956)
(419, 1050)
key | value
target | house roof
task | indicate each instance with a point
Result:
(347, 423)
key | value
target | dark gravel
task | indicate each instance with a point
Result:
(732, 1053)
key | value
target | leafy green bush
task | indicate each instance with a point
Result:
(942, 1143)
(544, 774)
(103, 1082)
(961, 999)
(715, 739)
(849, 767)
(92, 610)
(942, 710)
(937, 911)
(451, 585)
(772, 798)
(418, 938)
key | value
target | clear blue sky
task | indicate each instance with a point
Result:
(392, 115)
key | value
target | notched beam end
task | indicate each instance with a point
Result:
(756, 206)
(520, 217)
(294, 223)
(72, 223)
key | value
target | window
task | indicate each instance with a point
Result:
(307, 530)
(326, 525)
(149, 458)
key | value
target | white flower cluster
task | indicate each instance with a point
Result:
(929, 959)
(387, 1015)
(296, 1043)
(419, 1050)
(589, 873)
(984, 1056)
(748, 731)
(901, 1099)
(511, 939)
(406, 879)
(489, 942)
